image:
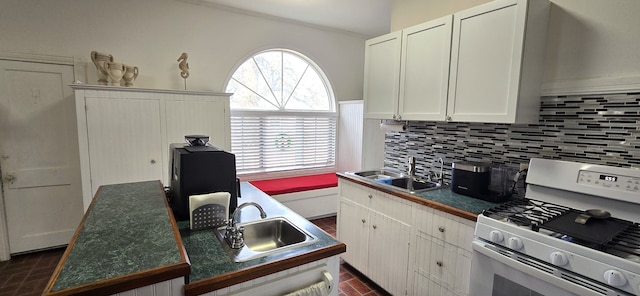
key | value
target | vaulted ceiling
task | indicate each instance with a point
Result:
(365, 17)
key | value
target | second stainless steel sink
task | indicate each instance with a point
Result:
(266, 237)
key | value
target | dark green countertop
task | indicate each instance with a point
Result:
(126, 232)
(447, 197)
(442, 199)
(210, 264)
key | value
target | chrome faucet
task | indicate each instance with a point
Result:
(412, 167)
(412, 172)
(234, 235)
(440, 177)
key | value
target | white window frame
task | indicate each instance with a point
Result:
(332, 114)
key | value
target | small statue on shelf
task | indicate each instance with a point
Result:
(184, 67)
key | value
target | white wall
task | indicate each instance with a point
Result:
(151, 34)
(590, 42)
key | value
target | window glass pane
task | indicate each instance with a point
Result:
(310, 94)
(270, 66)
(245, 98)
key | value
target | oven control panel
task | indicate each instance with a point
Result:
(609, 181)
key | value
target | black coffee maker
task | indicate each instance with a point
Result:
(196, 167)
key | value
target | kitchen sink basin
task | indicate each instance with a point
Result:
(379, 174)
(266, 237)
(392, 179)
(416, 185)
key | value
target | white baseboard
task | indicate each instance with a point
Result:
(311, 204)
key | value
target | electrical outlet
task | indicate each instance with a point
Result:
(524, 166)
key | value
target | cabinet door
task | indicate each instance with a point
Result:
(201, 115)
(381, 75)
(424, 76)
(389, 253)
(124, 140)
(353, 231)
(486, 62)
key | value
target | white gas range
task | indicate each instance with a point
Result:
(547, 244)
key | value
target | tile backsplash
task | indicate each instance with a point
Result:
(598, 129)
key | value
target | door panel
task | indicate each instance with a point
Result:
(39, 149)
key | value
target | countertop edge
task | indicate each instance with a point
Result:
(236, 277)
(126, 282)
(435, 205)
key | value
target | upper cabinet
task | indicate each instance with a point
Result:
(382, 72)
(497, 59)
(407, 72)
(124, 133)
(483, 64)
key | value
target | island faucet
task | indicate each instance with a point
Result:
(234, 235)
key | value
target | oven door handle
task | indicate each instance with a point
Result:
(488, 250)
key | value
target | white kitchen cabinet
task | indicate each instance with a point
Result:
(424, 70)
(497, 61)
(441, 260)
(373, 226)
(483, 64)
(406, 72)
(124, 133)
(381, 75)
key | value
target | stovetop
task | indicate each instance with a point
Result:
(613, 236)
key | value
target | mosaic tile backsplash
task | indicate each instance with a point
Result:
(602, 129)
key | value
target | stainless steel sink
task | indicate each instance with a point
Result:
(393, 179)
(379, 174)
(265, 237)
(416, 185)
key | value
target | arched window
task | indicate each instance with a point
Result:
(283, 114)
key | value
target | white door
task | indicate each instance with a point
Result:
(39, 158)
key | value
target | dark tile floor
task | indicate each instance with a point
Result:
(28, 274)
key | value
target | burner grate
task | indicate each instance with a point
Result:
(627, 243)
(526, 212)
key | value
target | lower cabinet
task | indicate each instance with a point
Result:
(378, 241)
(404, 247)
(442, 255)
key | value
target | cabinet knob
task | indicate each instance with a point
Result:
(375, 227)
(10, 178)
(370, 195)
(399, 117)
(393, 116)
(439, 263)
(448, 118)
(363, 220)
(441, 228)
(153, 161)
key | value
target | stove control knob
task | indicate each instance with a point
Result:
(558, 258)
(615, 278)
(515, 243)
(496, 236)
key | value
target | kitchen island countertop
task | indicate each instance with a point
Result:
(213, 269)
(129, 239)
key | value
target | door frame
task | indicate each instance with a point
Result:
(79, 71)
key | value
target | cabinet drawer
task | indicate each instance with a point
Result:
(378, 201)
(444, 226)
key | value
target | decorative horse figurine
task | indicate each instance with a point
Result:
(183, 65)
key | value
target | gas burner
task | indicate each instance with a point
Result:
(525, 212)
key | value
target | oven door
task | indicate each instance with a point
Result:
(495, 272)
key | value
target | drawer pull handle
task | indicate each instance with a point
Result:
(153, 161)
(441, 228)
(363, 220)
(375, 227)
(439, 263)
(370, 195)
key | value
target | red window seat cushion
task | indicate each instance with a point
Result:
(296, 184)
